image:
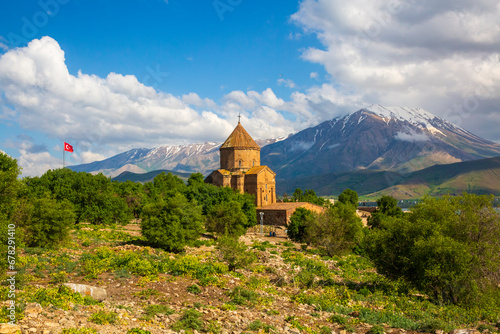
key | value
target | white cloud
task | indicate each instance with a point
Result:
(286, 82)
(314, 75)
(443, 56)
(89, 156)
(34, 164)
(92, 111)
(411, 136)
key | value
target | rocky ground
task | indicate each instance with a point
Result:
(158, 303)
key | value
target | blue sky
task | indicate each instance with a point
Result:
(107, 76)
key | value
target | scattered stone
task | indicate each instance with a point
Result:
(10, 329)
(50, 324)
(464, 331)
(98, 294)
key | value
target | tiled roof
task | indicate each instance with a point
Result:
(256, 169)
(240, 138)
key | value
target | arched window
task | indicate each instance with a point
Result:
(240, 163)
(253, 163)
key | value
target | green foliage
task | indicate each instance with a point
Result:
(338, 319)
(308, 195)
(242, 296)
(234, 253)
(9, 189)
(227, 218)
(138, 331)
(83, 330)
(448, 247)
(93, 196)
(104, 318)
(172, 223)
(299, 220)
(377, 329)
(387, 206)
(194, 289)
(190, 319)
(104, 259)
(337, 231)
(48, 222)
(258, 325)
(61, 297)
(151, 310)
(349, 197)
(209, 196)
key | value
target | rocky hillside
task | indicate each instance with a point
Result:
(131, 288)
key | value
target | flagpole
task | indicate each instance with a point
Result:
(64, 155)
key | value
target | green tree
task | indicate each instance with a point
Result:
(47, 222)
(350, 197)
(9, 190)
(297, 195)
(311, 197)
(448, 248)
(337, 231)
(227, 218)
(234, 253)
(387, 206)
(208, 196)
(172, 222)
(299, 220)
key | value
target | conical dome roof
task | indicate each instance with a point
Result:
(240, 138)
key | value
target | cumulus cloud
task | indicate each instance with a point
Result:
(443, 56)
(313, 75)
(103, 116)
(35, 163)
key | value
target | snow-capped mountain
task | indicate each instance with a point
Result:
(386, 138)
(376, 137)
(201, 157)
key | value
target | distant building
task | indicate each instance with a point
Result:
(240, 168)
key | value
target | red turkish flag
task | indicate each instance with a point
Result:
(68, 147)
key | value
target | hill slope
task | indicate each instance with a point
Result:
(478, 176)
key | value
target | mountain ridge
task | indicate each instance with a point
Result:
(401, 140)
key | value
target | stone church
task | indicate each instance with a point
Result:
(240, 168)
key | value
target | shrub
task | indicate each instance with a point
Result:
(257, 325)
(448, 247)
(172, 223)
(337, 231)
(190, 319)
(296, 229)
(338, 319)
(242, 296)
(138, 331)
(194, 289)
(227, 218)
(377, 329)
(83, 330)
(104, 318)
(151, 310)
(48, 222)
(234, 253)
